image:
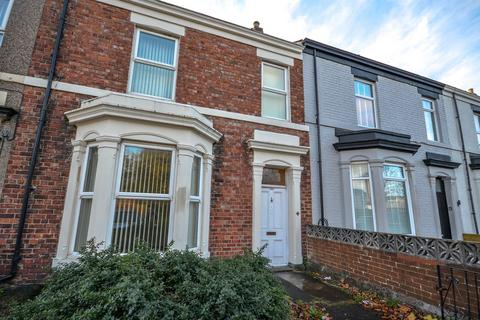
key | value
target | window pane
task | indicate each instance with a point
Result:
(146, 170)
(151, 80)
(398, 220)
(365, 113)
(3, 11)
(363, 89)
(274, 77)
(195, 182)
(362, 200)
(156, 48)
(192, 237)
(144, 221)
(274, 105)
(430, 125)
(82, 225)
(427, 104)
(478, 138)
(477, 123)
(360, 170)
(91, 169)
(273, 176)
(390, 171)
(1, 38)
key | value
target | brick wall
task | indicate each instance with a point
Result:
(213, 72)
(412, 279)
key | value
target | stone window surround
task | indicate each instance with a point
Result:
(108, 122)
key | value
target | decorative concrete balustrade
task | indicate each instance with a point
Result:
(449, 251)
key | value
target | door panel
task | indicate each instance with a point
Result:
(443, 209)
(274, 225)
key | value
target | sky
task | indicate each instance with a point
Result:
(439, 39)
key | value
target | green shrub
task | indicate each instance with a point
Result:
(146, 285)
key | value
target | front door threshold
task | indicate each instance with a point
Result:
(280, 268)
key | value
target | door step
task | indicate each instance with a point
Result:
(281, 269)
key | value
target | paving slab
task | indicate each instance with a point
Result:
(339, 304)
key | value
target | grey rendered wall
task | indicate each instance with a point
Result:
(15, 56)
(399, 110)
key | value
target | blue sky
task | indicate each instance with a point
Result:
(438, 39)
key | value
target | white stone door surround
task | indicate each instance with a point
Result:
(281, 151)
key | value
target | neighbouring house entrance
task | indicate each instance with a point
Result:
(443, 208)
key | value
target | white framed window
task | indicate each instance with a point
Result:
(430, 122)
(142, 210)
(5, 8)
(275, 97)
(362, 198)
(87, 188)
(154, 65)
(476, 119)
(195, 204)
(398, 208)
(365, 103)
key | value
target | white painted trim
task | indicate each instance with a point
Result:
(187, 18)
(158, 25)
(277, 147)
(275, 57)
(91, 91)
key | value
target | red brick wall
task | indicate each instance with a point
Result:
(411, 276)
(232, 183)
(213, 72)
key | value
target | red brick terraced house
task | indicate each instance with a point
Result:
(162, 125)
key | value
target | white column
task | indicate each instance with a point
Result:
(257, 170)
(378, 192)
(346, 196)
(182, 196)
(294, 216)
(205, 225)
(433, 195)
(101, 215)
(71, 199)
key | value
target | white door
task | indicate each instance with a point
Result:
(274, 225)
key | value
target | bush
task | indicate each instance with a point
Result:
(146, 285)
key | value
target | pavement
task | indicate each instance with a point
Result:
(339, 304)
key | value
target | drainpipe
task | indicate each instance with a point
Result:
(319, 143)
(465, 161)
(28, 188)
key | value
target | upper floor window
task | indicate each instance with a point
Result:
(397, 203)
(476, 118)
(5, 7)
(154, 65)
(429, 114)
(364, 215)
(365, 103)
(274, 91)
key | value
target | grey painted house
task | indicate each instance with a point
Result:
(391, 153)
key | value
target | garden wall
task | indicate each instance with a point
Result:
(399, 265)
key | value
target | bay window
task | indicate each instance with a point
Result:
(154, 65)
(85, 198)
(143, 196)
(5, 8)
(364, 216)
(365, 103)
(195, 202)
(429, 115)
(274, 91)
(397, 205)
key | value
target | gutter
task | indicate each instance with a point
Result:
(467, 171)
(28, 188)
(319, 143)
